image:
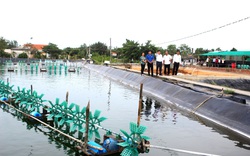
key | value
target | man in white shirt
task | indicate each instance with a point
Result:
(214, 60)
(167, 60)
(158, 56)
(177, 61)
(207, 61)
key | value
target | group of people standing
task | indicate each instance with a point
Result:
(165, 60)
(215, 62)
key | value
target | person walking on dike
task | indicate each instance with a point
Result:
(150, 61)
(158, 56)
(142, 61)
(166, 61)
(177, 61)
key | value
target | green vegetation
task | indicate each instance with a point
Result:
(234, 49)
(228, 91)
(6, 44)
(4, 54)
(3, 44)
(99, 59)
(130, 51)
(23, 55)
(213, 83)
(172, 49)
(99, 48)
(52, 50)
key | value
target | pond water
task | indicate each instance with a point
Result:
(166, 125)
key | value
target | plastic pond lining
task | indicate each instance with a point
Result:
(222, 111)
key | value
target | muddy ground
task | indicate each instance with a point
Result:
(232, 78)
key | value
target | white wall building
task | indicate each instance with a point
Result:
(16, 51)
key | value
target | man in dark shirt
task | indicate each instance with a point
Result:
(150, 61)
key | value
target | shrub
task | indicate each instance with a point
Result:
(228, 91)
(23, 55)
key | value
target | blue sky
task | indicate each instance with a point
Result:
(72, 23)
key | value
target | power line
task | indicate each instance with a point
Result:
(206, 31)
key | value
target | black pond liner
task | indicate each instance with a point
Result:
(242, 84)
(222, 111)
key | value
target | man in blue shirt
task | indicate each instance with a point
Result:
(150, 61)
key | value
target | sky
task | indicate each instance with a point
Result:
(71, 23)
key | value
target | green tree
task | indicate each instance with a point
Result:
(148, 47)
(37, 55)
(3, 44)
(4, 54)
(234, 49)
(218, 49)
(66, 52)
(198, 52)
(82, 51)
(171, 49)
(53, 50)
(100, 48)
(23, 55)
(12, 44)
(74, 53)
(185, 50)
(130, 50)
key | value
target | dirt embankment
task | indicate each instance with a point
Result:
(232, 78)
(198, 71)
(215, 72)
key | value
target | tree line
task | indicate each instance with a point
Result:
(130, 50)
(6, 44)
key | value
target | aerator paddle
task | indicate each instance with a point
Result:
(78, 119)
(75, 117)
(64, 111)
(20, 96)
(34, 101)
(93, 121)
(133, 140)
(5, 89)
(60, 111)
(53, 109)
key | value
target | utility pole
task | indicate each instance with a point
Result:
(90, 53)
(86, 52)
(110, 51)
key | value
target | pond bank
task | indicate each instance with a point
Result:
(222, 111)
(242, 84)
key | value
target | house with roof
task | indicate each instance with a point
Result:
(114, 54)
(29, 49)
(34, 48)
(17, 51)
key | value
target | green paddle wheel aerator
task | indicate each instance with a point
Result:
(74, 118)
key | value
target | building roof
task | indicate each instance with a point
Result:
(36, 46)
(228, 53)
(20, 48)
